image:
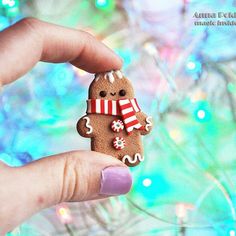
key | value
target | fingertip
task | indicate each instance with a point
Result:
(104, 62)
(118, 61)
(112, 60)
(95, 56)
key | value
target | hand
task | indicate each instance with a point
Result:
(72, 176)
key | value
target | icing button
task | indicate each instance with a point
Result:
(117, 126)
(119, 143)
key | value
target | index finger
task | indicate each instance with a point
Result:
(30, 40)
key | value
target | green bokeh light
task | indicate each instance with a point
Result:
(9, 3)
(231, 87)
(10, 7)
(106, 5)
(12, 12)
(202, 112)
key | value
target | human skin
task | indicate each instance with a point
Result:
(71, 176)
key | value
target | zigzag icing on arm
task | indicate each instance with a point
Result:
(87, 125)
(149, 123)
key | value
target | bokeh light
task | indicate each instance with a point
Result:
(184, 76)
(64, 214)
(106, 5)
(147, 182)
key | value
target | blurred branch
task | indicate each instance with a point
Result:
(226, 76)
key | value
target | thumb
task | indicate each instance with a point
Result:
(72, 176)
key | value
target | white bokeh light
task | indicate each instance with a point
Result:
(147, 182)
(201, 114)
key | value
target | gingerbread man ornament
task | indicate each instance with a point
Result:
(114, 120)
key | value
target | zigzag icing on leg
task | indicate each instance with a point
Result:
(131, 160)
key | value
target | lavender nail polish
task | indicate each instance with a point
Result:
(115, 181)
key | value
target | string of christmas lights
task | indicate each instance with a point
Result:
(185, 75)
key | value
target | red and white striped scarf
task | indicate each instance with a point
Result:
(126, 108)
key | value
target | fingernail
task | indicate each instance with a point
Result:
(115, 181)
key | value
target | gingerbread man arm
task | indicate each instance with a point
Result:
(85, 126)
(145, 121)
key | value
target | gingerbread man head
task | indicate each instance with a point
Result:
(111, 86)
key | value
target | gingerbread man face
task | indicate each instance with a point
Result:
(111, 86)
